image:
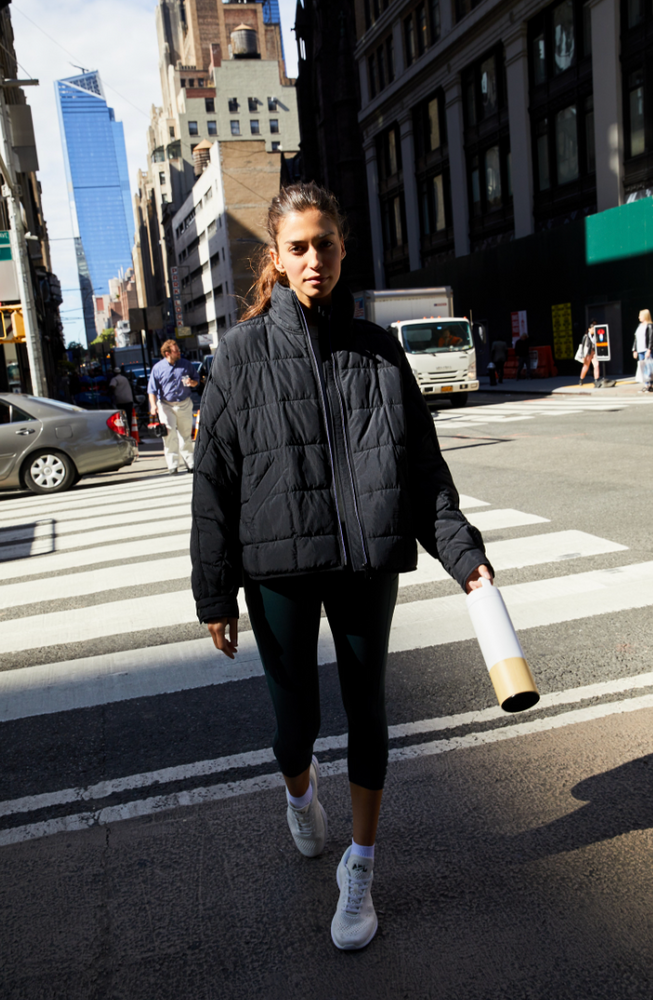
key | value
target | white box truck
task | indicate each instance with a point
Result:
(438, 345)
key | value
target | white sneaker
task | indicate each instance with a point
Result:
(309, 825)
(355, 922)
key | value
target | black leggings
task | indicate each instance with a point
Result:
(285, 616)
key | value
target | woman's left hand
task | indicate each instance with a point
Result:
(474, 579)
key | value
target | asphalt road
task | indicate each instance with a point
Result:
(143, 840)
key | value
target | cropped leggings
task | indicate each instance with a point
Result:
(285, 616)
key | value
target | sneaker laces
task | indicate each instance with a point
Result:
(304, 820)
(357, 886)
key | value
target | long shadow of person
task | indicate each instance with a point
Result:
(617, 801)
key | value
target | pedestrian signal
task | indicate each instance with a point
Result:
(602, 341)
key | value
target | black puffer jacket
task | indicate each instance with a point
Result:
(267, 459)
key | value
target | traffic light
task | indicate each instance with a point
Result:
(12, 328)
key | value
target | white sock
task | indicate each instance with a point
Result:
(362, 852)
(303, 800)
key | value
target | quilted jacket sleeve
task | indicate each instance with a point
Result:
(215, 546)
(441, 527)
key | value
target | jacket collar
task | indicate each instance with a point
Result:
(287, 313)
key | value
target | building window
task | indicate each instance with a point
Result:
(182, 83)
(463, 7)
(590, 153)
(539, 59)
(212, 128)
(587, 30)
(276, 146)
(252, 105)
(422, 37)
(193, 147)
(209, 105)
(392, 223)
(388, 153)
(171, 130)
(390, 58)
(162, 177)
(489, 101)
(272, 104)
(380, 62)
(566, 145)
(564, 43)
(200, 82)
(233, 106)
(432, 205)
(255, 126)
(636, 112)
(434, 18)
(492, 178)
(476, 187)
(409, 40)
(191, 83)
(235, 127)
(274, 125)
(542, 141)
(371, 66)
(635, 12)
(193, 129)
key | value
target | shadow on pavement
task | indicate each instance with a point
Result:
(35, 538)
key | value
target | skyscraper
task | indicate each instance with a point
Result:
(98, 185)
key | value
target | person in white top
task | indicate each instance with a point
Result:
(642, 346)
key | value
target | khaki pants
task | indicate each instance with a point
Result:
(178, 418)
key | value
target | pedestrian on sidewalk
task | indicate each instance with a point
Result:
(122, 396)
(522, 351)
(498, 355)
(588, 350)
(317, 468)
(642, 347)
(171, 381)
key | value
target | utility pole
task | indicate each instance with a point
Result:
(11, 191)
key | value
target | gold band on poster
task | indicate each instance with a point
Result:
(514, 684)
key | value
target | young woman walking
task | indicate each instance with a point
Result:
(316, 469)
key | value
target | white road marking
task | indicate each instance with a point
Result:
(44, 527)
(55, 563)
(102, 536)
(80, 504)
(516, 553)
(84, 497)
(104, 512)
(199, 796)
(493, 520)
(137, 673)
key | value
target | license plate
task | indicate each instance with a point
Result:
(446, 388)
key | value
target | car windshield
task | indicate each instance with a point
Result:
(56, 403)
(434, 336)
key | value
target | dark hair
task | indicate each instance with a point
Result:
(295, 198)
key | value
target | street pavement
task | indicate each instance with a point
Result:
(142, 818)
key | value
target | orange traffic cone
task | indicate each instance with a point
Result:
(134, 428)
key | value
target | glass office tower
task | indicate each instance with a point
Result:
(98, 186)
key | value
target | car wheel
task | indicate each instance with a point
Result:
(49, 472)
(459, 399)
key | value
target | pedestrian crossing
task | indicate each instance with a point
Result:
(58, 605)
(516, 410)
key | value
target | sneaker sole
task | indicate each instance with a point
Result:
(353, 947)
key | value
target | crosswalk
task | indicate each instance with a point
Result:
(516, 410)
(66, 562)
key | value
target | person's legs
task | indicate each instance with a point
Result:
(168, 417)
(500, 365)
(129, 409)
(185, 430)
(586, 366)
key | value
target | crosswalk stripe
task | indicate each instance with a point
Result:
(102, 536)
(49, 526)
(185, 665)
(107, 506)
(494, 520)
(61, 562)
(516, 553)
(82, 495)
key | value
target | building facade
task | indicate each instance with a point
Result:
(98, 182)
(223, 81)
(488, 126)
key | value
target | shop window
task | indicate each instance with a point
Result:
(636, 112)
(564, 41)
(566, 137)
(543, 172)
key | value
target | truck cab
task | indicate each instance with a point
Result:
(440, 351)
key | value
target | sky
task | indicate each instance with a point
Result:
(118, 38)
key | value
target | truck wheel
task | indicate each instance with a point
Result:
(49, 472)
(459, 399)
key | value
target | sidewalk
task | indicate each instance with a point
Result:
(560, 385)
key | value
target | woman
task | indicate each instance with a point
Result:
(642, 346)
(317, 466)
(589, 355)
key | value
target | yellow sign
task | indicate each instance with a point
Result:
(563, 334)
(182, 331)
(12, 329)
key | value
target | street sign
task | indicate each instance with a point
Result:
(602, 336)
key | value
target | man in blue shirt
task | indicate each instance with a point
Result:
(169, 390)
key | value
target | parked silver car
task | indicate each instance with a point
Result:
(47, 446)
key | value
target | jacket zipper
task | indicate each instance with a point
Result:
(336, 380)
(326, 424)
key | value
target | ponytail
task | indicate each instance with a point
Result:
(295, 198)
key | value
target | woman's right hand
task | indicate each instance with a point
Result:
(635, 354)
(218, 630)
